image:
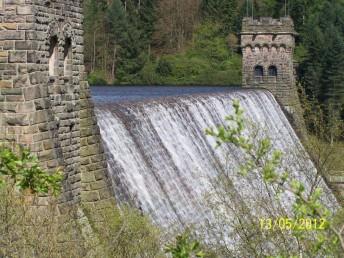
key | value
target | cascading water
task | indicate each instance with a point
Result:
(160, 158)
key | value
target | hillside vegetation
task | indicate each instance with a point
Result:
(195, 42)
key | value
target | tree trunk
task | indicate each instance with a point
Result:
(113, 72)
(93, 62)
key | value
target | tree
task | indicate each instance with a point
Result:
(176, 21)
(325, 240)
(223, 11)
(117, 28)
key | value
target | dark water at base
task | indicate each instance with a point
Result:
(105, 94)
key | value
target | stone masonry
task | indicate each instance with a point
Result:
(267, 46)
(45, 101)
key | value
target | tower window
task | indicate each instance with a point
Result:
(53, 56)
(273, 71)
(259, 70)
(68, 57)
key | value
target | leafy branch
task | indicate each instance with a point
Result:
(261, 157)
(23, 168)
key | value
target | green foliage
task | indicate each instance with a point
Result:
(124, 232)
(117, 37)
(164, 68)
(261, 157)
(323, 37)
(224, 12)
(74, 231)
(41, 232)
(97, 78)
(23, 168)
(119, 42)
(208, 61)
(185, 247)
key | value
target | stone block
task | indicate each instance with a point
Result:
(17, 57)
(12, 35)
(26, 45)
(11, 91)
(5, 84)
(24, 10)
(87, 177)
(8, 26)
(25, 107)
(98, 185)
(3, 54)
(46, 155)
(90, 196)
(17, 119)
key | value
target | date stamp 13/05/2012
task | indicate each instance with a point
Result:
(292, 224)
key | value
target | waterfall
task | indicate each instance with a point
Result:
(160, 159)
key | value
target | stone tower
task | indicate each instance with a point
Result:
(267, 46)
(44, 98)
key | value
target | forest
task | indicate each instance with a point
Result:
(195, 42)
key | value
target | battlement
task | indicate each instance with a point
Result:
(265, 25)
(267, 46)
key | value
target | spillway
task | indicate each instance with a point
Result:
(160, 159)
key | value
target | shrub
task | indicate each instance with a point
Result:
(163, 68)
(97, 78)
(43, 231)
(185, 247)
(33, 225)
(123, 232)
(37, 231)
(23, 169)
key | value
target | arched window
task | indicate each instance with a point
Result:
(259, 70)
(273, 70)
(53, 56)
(67, 54)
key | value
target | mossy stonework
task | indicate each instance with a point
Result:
(45, 100)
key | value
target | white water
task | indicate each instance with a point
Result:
(161, 159)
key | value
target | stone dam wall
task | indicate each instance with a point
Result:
(45, 101)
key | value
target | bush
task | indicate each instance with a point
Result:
(37, 231)
(163, 68)
(97, 78)
(149, 76)
(126, 233)
(22, 168)
(33, 225)
(42, 231)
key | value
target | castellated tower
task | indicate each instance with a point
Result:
(44, 97)
(267, 46)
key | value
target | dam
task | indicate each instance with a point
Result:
(160, 159)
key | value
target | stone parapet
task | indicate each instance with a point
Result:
(265, 25)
